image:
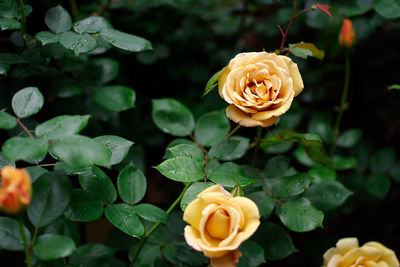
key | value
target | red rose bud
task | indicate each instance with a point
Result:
(15, 190)
(347, 36)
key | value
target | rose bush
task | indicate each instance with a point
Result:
(219, 223)
(348, 253)
(260, 87)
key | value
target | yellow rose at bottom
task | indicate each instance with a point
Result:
(219, 223)
(347, 253)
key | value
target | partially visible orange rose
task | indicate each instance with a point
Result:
(347, 253)
(259, 87)
(347, 35)
(15, 190)
(219, 223)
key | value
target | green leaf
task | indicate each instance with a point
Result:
(98, 185)
(78, 43)
(192, 192)
(252, 254)
(10, 235)
(62, 226)
(27, 102)
(394, 171)
(172, 117)
(212, 82)
(389, 9)
(50, 247)
(211, 128)
(394, 87)
(80, 151)
(118, 146)
(9, 9)
(344, 163)
(151, 213)
(131, 184)
(104, 69)
(7, 121)
(382, 160)
(4, 161)
(229, 174)
(61, 126)
(115, 97)
(321, 174)
(327, 195)
(320, 124)
(189, 256)
(223, 148)
(124, 218)
(9, 24)
(62, 166)
(304, 50)
(378, 185)
(240, 150)
(35, 172)
(302, 157)
(93, 24)
(300, 216)
(58, 19)
(187, 151)
(25, 148)
(52, 196)
(92, 255)
(349, 138)
(83, 208)
(4, 68)
(316, 151)
(125, 41)
(276, 166)
(264, 202)
(7, 58)
(181, 169)
(276, 242)
(147, 256)
(46, 37)
(290, 185)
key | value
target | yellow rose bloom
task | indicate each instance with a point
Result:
(259, 87)
(347, 253)
(219, 223)
(15, 190)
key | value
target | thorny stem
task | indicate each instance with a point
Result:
(24, 128)
(35, 233)
(23, 19)
(25, 240)
(343, 104)
(74, 9)
(258, 141)
(269, 192)
(149, 233)
(232, 132)
(198, 144)
(206, 169)
(288, 27)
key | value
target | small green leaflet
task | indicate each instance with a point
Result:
(304, 50)
(212, 82)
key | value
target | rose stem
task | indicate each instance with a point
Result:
(24, 127)
(148, 234)
(25, 240)
(258, 140)
(343, 104)
(23, 19)
(288, 27)
(232, 132)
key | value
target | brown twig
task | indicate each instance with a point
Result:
(24, 128)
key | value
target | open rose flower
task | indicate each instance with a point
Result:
(347, 253)
(15, 190)
(219, 223)
(259, 87)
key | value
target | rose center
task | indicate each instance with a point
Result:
(218, 224)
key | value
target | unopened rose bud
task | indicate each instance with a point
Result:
(15, 190)
(347, 37)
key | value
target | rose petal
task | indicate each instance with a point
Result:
(388, 255)
(334, 261)
(244, 119)
(369, 254)
(228, 260)
(265, 115)
(328, 255)
(346, 244)
(191, 236)
(298, 85)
